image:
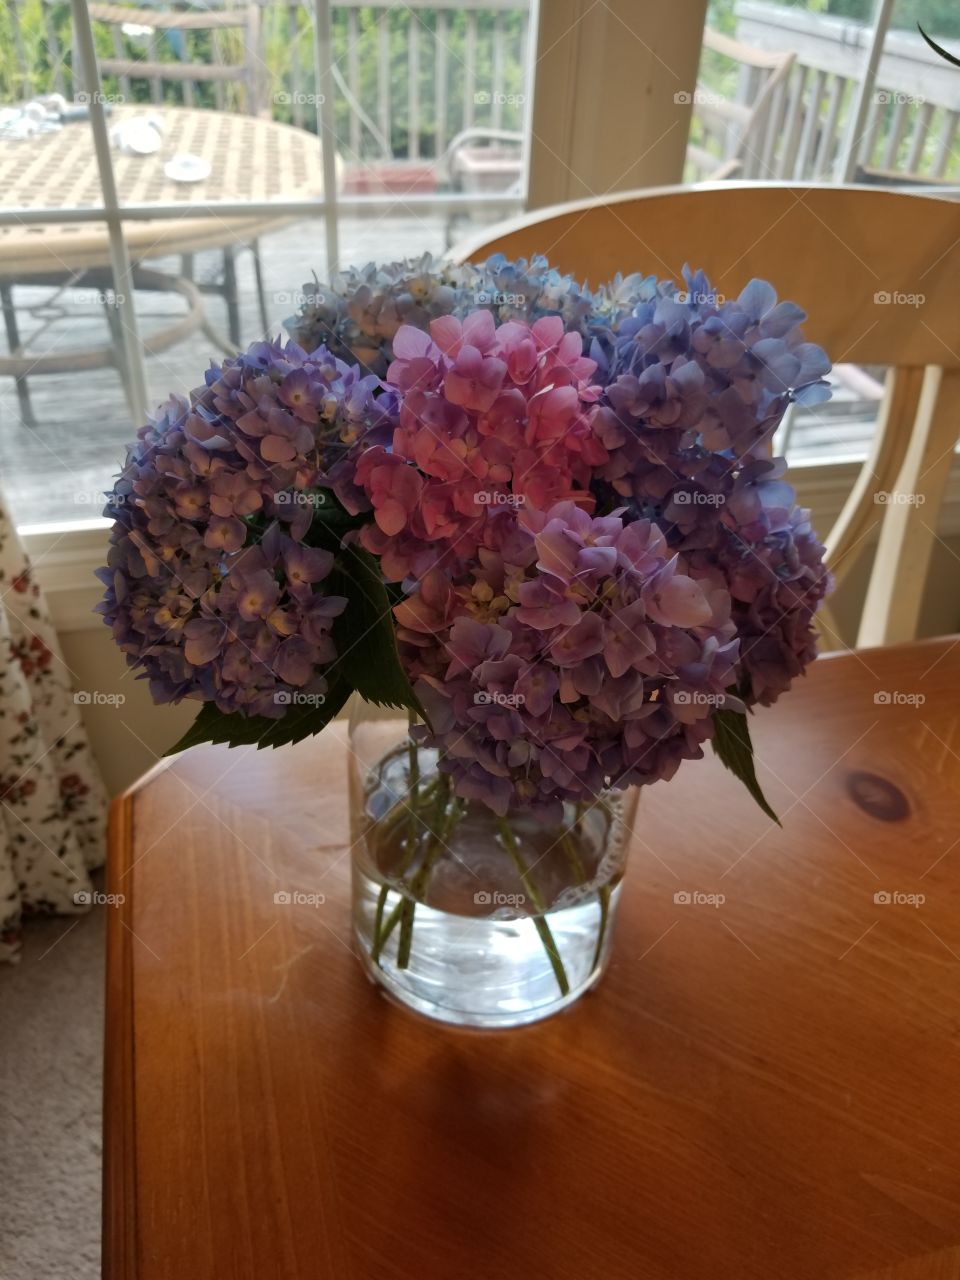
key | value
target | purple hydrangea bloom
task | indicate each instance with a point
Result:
(213, 587)
(592, 657)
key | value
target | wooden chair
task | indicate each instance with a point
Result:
(738, 138)
(838, 252)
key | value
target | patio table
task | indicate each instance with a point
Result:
(250, 159)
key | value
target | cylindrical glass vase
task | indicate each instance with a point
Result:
(465, 916)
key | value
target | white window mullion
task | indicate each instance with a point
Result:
(326, 129)
(133, 369)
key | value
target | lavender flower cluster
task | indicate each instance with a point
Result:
(574, 491)
(213, 588)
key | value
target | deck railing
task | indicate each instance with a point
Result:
(408, 77)
(911, 126)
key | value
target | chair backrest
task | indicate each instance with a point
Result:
(737, 138)
(221, 70)
(875, 271)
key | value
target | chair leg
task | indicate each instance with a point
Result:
(120, 352)
(230, 294)
(13, 341)
(261, 294)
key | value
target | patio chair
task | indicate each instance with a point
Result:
(736, 137)
(480, 161)
(244, 75)
(842, 253)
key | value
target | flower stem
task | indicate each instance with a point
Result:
(385, 829)
(445, 820)
(539, 920)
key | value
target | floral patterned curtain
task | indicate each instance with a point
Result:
(52, 800)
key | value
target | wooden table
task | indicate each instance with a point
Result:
(250, 159)
(766, 1088)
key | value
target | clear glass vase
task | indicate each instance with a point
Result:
(466, 917)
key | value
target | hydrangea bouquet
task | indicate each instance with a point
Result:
(545, 521)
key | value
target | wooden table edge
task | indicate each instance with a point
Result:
(119, 1210)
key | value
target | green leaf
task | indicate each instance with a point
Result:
(365, 636)
(731, 742)
(331, 520)
(301, 720)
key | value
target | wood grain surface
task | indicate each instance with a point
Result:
(763, 1088)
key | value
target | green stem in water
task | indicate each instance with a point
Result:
(445, 820)
(400, 909)
(385, 829)
(539, 920)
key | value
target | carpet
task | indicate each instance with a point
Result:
(51, 1029)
